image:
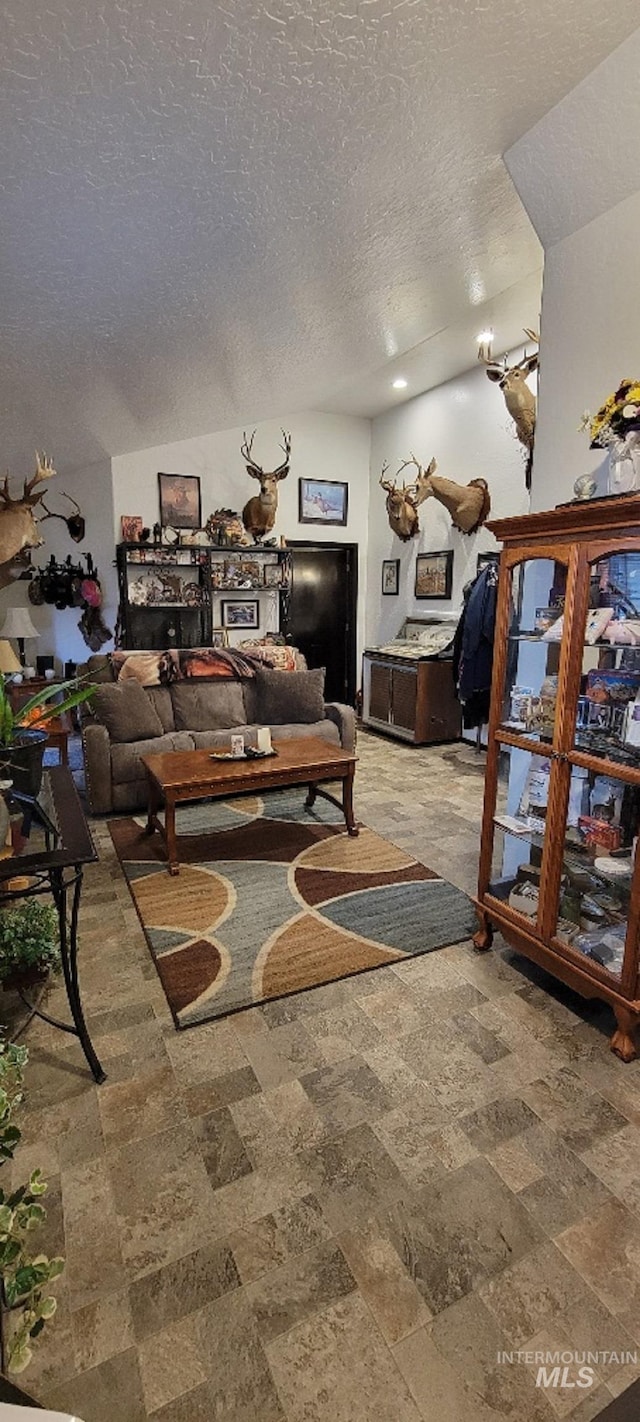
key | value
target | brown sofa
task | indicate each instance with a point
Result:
(193, 715)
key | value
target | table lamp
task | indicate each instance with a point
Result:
(8, 659)
(18, 626)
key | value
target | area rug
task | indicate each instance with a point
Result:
(272, 899)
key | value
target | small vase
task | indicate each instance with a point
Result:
(624, 465)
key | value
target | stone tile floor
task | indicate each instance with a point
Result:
(342, 1205)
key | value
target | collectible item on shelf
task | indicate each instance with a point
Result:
(226, 528)
(323, 501)
(274, 575)
(434, 574)
(519, 398)
(165, 590)
(259, 514)
(545, 618)
(179, 501)
(390, 577)
(131, 528)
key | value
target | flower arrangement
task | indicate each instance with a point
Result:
(618, 417)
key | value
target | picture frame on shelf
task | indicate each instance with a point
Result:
(219, 637)
(323, 501)
(131, 526)
(434, 575)
(240, 612)
(272, 575)
(484, 560)
(390, 577)
(180, 501)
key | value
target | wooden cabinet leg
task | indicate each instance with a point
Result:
(347, 802)
(483, 938)
(622, 1042)
(170, 833)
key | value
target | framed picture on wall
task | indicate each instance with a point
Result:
(434, 574)
(484, 559)
(240, 613)
(390, 577)
(180, 501)
(322, 501)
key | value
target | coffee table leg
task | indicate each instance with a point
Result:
(347, 802)
(311, 797)
(170, 832)
(152, 807)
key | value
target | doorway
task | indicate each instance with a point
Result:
(323, 611)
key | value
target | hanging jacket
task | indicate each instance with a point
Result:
(473, 647)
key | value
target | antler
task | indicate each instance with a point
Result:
(423, 483)
(283, 469)
(385, 483)
(44, 470)
(245, 449)
(4, 492)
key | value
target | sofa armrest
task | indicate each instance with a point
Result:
(97, 767)
(344, 717)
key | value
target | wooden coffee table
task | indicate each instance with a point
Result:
(183, 776)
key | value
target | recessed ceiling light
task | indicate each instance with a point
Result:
(400, 383)
(485, 338)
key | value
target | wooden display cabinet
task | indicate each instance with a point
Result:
(559, 876)
(414, 701)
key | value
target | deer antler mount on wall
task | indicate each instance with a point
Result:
(402, 504)
(468, 504)
(519, 399)
(259, 514)
(18, 526)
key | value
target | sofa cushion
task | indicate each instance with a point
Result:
(207, 706)
(289, 697)
(326, 730)
(125, 759)
(202, 740)
(126, 711)
(160, 698)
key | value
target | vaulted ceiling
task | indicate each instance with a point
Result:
(217, 210)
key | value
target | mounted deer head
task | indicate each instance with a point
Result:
(468, 504)
(519, 399)
(75, 522)
(18, 527)
(402, 504)
(259, 514)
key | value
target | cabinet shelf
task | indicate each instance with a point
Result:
(585, 924)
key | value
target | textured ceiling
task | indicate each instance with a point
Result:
(216, 210)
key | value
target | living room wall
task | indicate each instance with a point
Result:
(464, 423)
(324, 446)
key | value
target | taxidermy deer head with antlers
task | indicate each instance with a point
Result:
(18, 526)
(519, 399)
(402, 504)
(259, 514)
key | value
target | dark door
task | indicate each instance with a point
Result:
(322, 618)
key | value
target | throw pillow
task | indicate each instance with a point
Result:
(290, 697)
(208, 706)
(269, 654)
(127, 712)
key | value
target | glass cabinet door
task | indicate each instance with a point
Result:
(535, 637)
(526, 785)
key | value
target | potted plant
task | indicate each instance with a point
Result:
(29, 944)
(25, 1302)
(23, 733)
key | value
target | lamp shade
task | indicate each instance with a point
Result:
(8, 659)
(18, 624)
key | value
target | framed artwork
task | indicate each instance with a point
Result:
(322, 501)
(484, 559)
(237, 613)
(434, 574)
(180, 501)
(272, 575)
(219, 637)
(131, 528)
(390, 577)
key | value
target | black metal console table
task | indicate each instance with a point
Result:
(58, 871)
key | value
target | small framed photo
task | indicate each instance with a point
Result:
(390, 577)
(323, 501)
(434, 574)
(131, 528)
(180, 501)
(219, 637)
(240, 613)
(272, 575)
(484, 560)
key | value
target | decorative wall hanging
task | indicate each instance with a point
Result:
(240, 614)
(75, 522)
(18, 528)
(434, 574)
(226, 528)
(390, 577)
(130, 528)
(323, 501)
(519, 399)
(469, 504)
(616, 428)
(259, 514)
(402, 504)
(180, 505)
(63, 585)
